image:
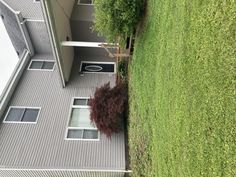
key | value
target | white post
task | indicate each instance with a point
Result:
(87, 44)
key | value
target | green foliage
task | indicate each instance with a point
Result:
(183, 91)
(117, 18)
(122, 69)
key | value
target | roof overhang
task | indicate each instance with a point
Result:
(50, 23)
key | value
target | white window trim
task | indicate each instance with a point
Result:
(99, 62)
(36, 1)
(86, 4)
(21, 122)
(80, 128)
(41, 69)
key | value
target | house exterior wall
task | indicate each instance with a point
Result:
(55, 173)
(43, 57)
(82, 23)
(83, 13)
(67, 6)
(29, 8)
(39, 37)
(43, 145)
(41, 149)
(82, 31)
(94, 54)
(61, 20)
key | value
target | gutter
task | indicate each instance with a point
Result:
(53, 37)
(65, 170)
(13, 81)
(22, 27)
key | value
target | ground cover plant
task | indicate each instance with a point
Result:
(182, 86)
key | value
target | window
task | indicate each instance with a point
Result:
(36, 0)
(22, 114)
(97, 67)
(41, 65)
(86, 2)
(79, 126)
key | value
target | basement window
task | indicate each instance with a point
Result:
(22, 115)
(79, 125)
(86, 2)
(41, 65)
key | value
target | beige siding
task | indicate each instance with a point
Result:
(60, 13)
(67, 6)
(42, 145)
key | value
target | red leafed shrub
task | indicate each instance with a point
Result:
(107, 107)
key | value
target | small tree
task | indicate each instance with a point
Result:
(107, 106)
(117, 18)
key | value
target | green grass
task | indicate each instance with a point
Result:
(182, 87)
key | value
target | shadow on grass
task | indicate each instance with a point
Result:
(142, 23)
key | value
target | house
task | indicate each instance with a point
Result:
(45, 128)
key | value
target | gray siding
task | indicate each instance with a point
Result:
(28, 8)
(82, 22)
(42, 145)
(39, 37)
(83, 13)
(99, 54)
(43, 57)
(82, 31)
(24, 173)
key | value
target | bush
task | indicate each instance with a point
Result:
(122, 69)
(107, 107)
(117, 18)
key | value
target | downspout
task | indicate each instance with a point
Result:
(13, 81)
(53, 37)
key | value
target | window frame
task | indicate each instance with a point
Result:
(41, 69)
(86, 4)
(72, 106)
(36, 1)
(21, 122)
(99, 62)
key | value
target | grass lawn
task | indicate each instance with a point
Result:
(182, 87)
